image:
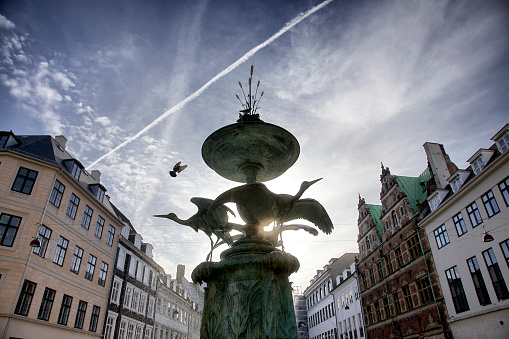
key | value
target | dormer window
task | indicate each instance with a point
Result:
(502, 139)
(478, 165)
(456, 184)
(8, 139)
(479, 160)
(435, 199)
(98, 191)
(74, 167)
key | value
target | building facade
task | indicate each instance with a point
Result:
(179, 307)
(300, 309)
(321, 310)
(132, 301)
(60, 287)
(468, 230)
(349, 317)
(401, 294)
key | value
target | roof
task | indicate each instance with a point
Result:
(376, 211)
(36, 146)
(412, 187)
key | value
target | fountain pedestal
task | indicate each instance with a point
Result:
(248, 294)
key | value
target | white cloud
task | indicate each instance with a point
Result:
(5, 23)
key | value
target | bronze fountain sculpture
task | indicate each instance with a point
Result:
(248, 294)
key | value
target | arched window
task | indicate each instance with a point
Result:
(387, 228)
(394, 218)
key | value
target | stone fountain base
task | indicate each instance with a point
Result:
(248, 294)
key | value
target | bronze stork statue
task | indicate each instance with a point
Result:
(207, 220)
(258, 207)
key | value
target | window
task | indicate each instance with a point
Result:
(60, 251)
(121, 258)
(109, 328)
(397, 305)
(459, 298)
(115, 291)
(99, 227)
(122, 329)
(46, 304)
(399, 257)
(44, 236)
(76, 170)
(424, 289)
(504, 245)
(369, 312)
(65, 308)
(76, 260)
(408, 297)
(490, 204)
(394, 219)
(460, 224)
(25, 298)
(495, 274)
(413, 246)
(94, 318)
(73, 206)
(456, 184)
(9, 225)
(110, 236)
(503, 186)
(80, 314)
(127, 296)
(441, 236)
(99, 194)
(435, 202)
(379, 270)
(24, 181)
(134, 301)
(89, 274)
(102, 274)
(503, 143)
(57, 193)
(477, 278)
(474, 215)
(387, 310)
(388, 264)
(87, 216)
(478, 165)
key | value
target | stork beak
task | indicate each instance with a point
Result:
(314, 181)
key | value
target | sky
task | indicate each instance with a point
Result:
(137, 86)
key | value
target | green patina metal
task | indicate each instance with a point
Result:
(376, 212)
(411, 186)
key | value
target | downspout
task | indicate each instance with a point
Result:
(415, 216)
(29, 257)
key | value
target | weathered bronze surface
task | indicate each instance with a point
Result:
(249, 149)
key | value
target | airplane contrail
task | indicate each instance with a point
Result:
(230, 68)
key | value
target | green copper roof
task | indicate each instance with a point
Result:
(416, 193)
(376, 212)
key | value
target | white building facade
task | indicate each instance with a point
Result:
(349, 318)
(321, 310)
(468, 230)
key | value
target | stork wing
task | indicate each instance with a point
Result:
(312, 211)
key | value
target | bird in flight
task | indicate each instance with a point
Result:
(177, 169)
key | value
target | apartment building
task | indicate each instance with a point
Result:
(58, 239)
(468, 231)
(321, 309)
(349, 317)
(179, 307)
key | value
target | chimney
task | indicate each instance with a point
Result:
(440, 164)
(96, 175)
(181, 270)
(61, 140)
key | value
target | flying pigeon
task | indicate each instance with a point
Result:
(177, 169)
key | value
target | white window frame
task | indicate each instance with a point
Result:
(115, 291)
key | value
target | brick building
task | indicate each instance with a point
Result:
(58, 289)
(401, 294)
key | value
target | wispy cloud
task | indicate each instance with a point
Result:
(230, 68)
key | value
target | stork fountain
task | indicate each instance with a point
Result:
(248, 294)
